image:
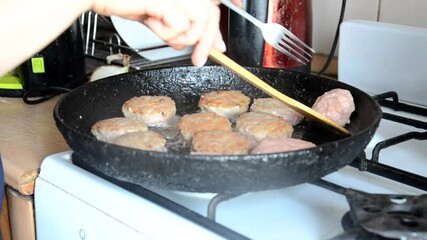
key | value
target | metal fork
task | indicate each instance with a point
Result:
(278, 36)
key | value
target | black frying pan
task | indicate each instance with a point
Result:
(77, 111)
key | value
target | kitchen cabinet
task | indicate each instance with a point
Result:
(4, 221)
(21, 211)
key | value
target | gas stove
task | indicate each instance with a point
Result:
(380, 195)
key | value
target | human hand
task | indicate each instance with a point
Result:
(179, 23)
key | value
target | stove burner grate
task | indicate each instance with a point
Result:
(384, 216)
(373, 165)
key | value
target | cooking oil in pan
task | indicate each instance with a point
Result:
(174, 141)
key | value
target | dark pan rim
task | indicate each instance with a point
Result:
(258, 157)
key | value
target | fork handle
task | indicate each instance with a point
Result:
(243, 13)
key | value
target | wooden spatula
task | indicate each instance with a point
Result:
(254, 80)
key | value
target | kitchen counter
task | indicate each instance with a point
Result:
(27, 135)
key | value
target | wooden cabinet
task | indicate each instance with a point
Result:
(21, 215)
(4, 220)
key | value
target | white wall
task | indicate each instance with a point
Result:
(326, 15)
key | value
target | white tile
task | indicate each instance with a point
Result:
(362, 9)
(405, 12)
(326, 15)
(325, 19)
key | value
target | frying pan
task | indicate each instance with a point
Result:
(77, 111)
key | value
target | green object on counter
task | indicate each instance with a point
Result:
(10, 81)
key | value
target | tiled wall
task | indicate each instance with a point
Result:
(326, 16)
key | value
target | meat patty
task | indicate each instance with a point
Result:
(277, 108)
(108, 129)
(336, 104)
(220, 142)
(281, 144)
(147, 140)
(225, 103)
(156, 111)
(259, 125)
(192, 123)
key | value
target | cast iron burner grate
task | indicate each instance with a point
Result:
(382, 216)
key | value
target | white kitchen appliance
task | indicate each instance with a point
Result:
(378, 57)
(72, 203)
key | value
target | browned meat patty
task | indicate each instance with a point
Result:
(281, 144)
(108, 129)
(220, 142)
(277, 108)
(336, 104)
(147, 140)
(259, 125)
(154, 110)
(196, 122)
(225, 103)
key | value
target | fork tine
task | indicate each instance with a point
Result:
(291, 35)
(287, 53)
(295, 53)
(284, 42)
